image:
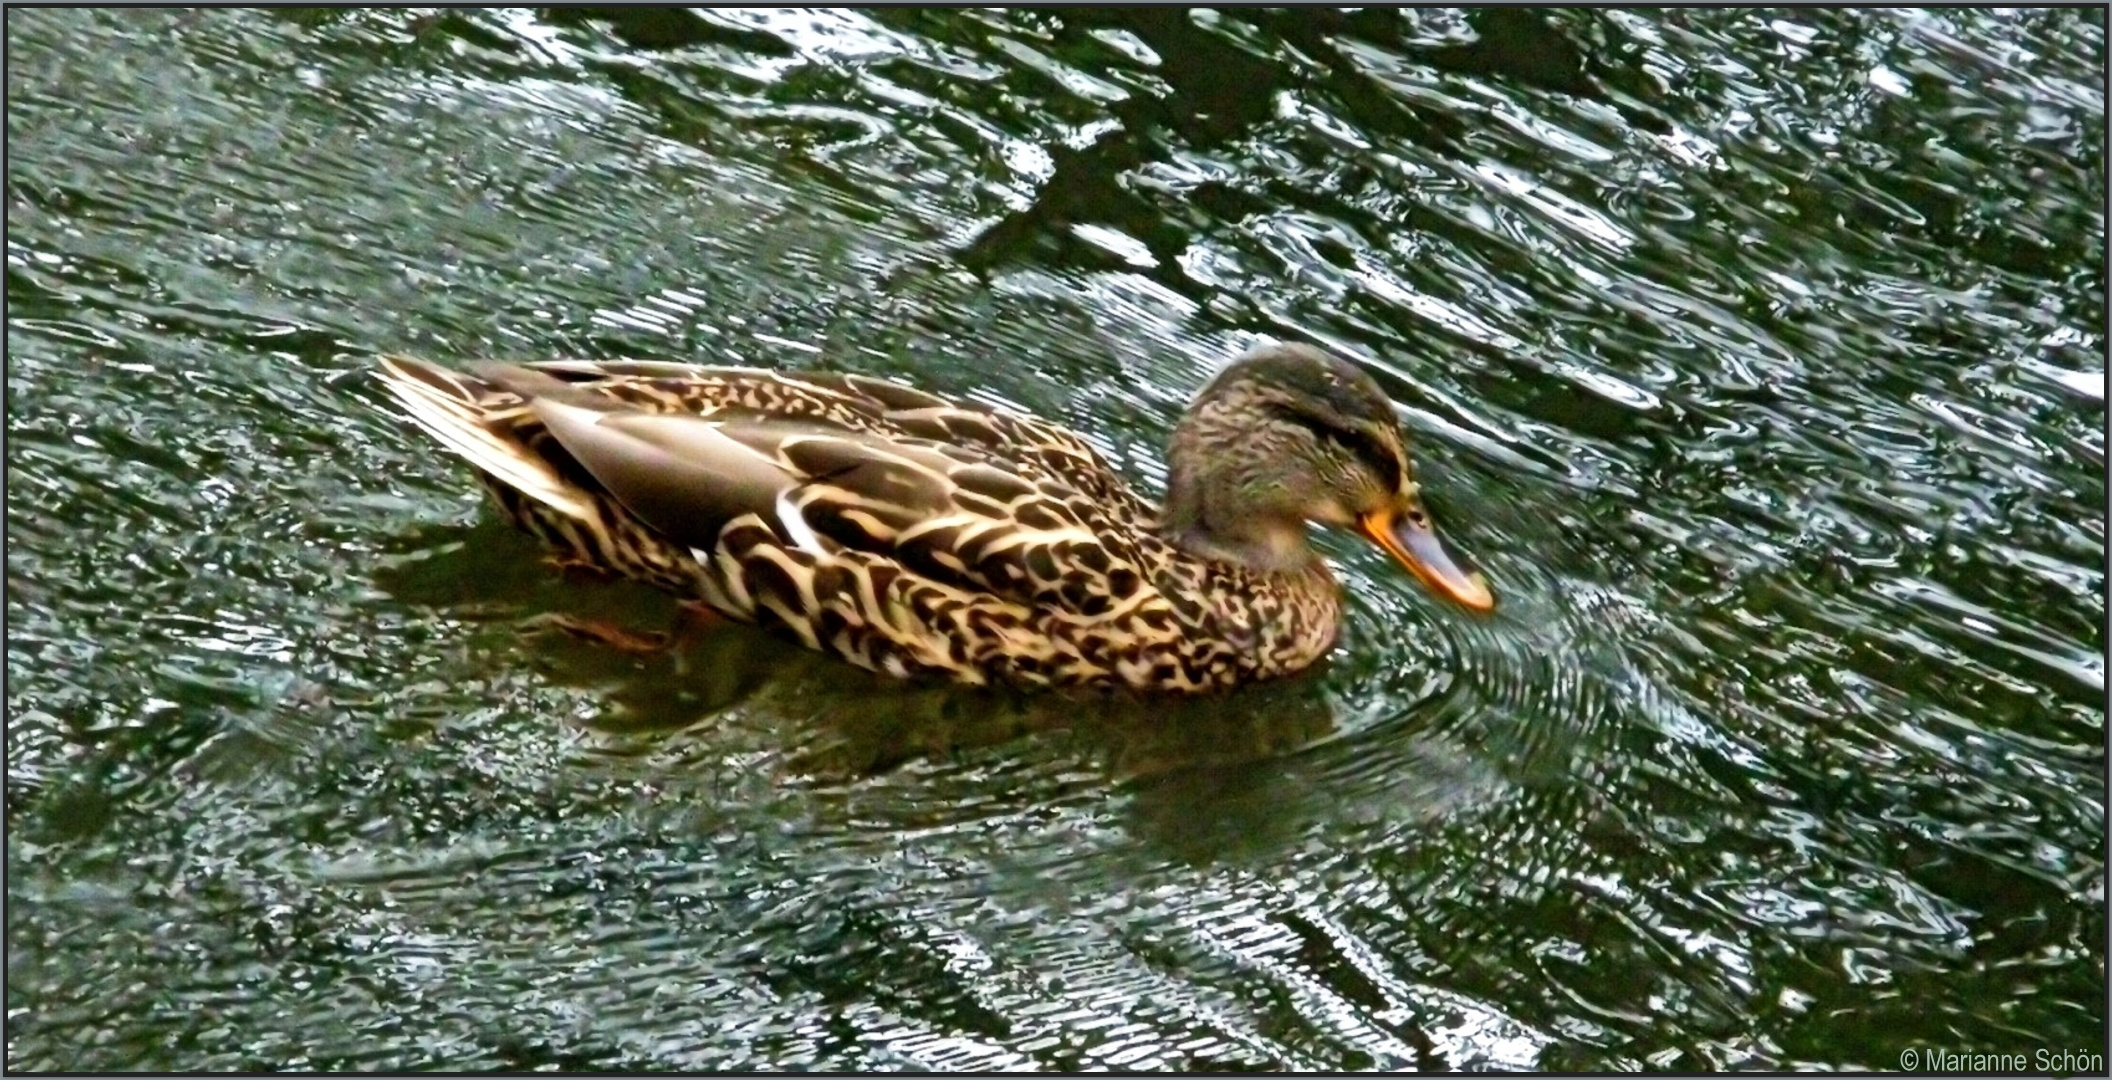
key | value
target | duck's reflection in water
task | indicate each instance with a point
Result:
(1203, 778)
(829, 723)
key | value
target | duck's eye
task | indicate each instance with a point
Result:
(1374, 454)
(1356, 443)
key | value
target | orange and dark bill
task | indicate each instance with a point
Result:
(1408, 537)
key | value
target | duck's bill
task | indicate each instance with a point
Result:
(1414, 544)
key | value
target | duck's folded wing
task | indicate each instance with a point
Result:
(960, 515)
(865, 403)
(681, 474)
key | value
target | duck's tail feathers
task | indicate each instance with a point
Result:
(457, 410)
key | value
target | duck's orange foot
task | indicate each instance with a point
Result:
(690, 619)
(573, 566)
(695, 615)
(643, 642)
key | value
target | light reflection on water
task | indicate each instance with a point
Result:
(1757, 358)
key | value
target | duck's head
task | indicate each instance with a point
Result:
(1289, 434)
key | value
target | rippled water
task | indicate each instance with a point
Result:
(1758, 357)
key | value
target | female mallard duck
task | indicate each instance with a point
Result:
(919, 536)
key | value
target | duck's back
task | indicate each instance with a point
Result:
(864, 404)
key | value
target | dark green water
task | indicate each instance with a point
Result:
(1758, 358)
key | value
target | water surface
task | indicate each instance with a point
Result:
(1758, 357)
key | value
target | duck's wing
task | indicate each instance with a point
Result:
(865, 404)
(824, 469)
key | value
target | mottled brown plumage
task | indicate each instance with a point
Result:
(919, 536)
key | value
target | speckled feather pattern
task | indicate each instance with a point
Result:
(939, 538)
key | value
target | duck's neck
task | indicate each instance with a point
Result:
(1214, 507)
(1270, 547)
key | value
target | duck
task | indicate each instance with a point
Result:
(932, 538)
